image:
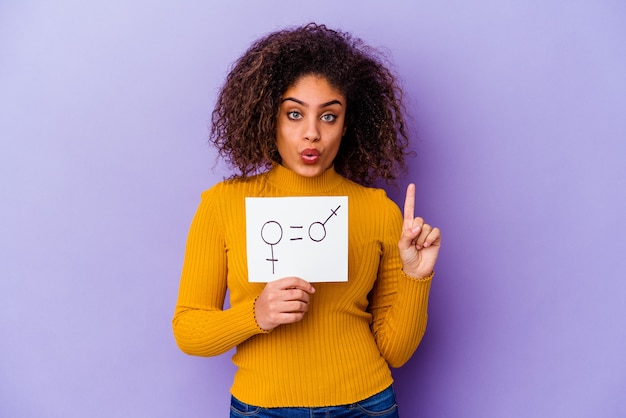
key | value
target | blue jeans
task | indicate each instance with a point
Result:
(382, 405)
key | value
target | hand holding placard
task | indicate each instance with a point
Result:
(282, 301)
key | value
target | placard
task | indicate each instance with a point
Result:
(305, 237)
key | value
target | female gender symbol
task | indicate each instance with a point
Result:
(271, 234)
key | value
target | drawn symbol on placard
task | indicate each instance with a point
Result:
(317, 230)
(271, 234)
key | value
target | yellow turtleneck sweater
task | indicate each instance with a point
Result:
(341, 351)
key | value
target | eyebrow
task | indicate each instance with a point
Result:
(300, 102)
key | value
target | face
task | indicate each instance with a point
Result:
(310, 125)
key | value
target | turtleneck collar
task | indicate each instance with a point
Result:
(285, 179)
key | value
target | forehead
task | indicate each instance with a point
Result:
(313, 89)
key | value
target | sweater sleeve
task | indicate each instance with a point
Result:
(398, 303)
(201, 326)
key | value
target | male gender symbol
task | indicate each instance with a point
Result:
(318, 233)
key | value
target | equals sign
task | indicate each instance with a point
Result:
(296, 239)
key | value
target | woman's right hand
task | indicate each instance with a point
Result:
(283, 301)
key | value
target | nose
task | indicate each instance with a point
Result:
(312, 133)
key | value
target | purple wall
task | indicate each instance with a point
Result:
(519, 124)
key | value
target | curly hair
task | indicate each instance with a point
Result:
(244, 119)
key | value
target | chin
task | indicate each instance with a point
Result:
(310, 170)
(307, 172)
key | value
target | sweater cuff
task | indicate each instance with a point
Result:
(261, 330)
(419, 279)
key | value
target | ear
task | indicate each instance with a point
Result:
(345, 128)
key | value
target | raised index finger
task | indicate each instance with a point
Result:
(409, 203)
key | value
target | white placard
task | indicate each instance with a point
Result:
(305, 237)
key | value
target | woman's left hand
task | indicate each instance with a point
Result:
(419, 243)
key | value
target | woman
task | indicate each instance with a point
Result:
(309, 112)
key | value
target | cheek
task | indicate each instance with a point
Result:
(283, 142)
(335, 145)
(285, 132)
(281, 134)
(338, 136)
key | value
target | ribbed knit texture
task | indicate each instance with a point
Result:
(341, 351)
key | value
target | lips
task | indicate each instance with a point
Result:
(310, 155)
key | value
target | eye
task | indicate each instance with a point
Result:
(329, 117)
(294, 115)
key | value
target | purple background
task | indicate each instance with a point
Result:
(519, 123)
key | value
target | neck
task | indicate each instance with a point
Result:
(287, 180)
